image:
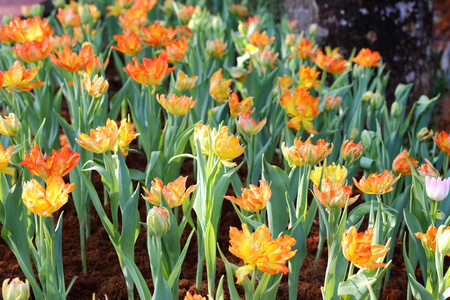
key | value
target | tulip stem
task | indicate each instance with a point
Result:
(41, 239)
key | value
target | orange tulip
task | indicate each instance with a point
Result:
(59, 42)
(175, 193)
(185, 13)
(71, 61)
(266, 59)
(427, 169)
(284, 83)
(157, 35)
(185, 83)
(442, 140)
(129, 44)
(260, 40)
(126, 135)
(305, 152)
(216, 48)
(5, 34)
(331, 63)
(101, 139)
(304, 48)
(253, 199)
(308, 77)
(259, 250)
(239, 10)
(151, 73)
(193, 297)
(175, 105)
(17, 77)
(237, 108)
(219, 87)
(248, 124)
(33, 29)
(367, 58)
(95, 87)
(377, 184)
(175, 50)
(80, 32)
(133, 20)
(45, 201)
(401, 164)
(351, 152)
(5, 157)
(68, 17)
(33, 51)
(10, 125)
(429, 238)
(226, 147)
(334, 195)
(358, 249)
(302, 108)
(60, 163)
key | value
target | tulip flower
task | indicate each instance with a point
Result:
(239, 107)
(175, 193)
(304, 48)
(193, 297)
(284, 83)
(249, 125)
(333, 64)
(129, 44)
(260, 40)
(68, 17)
(305, 152)
(185, 13)
(431, 236)
(101, 139)
(10, 125)
(158, 222)
(332, 103)
(33, 29)
(176, 105)
(367, 58)
(442, 140)
(202, 135)
(402, 163)
(427, 169)
(126, 135)
(33, 51)
(59, 42)
(95, 87)
(17, 77)
(151, 72)
(16, 289)
(157, 35)
(308, 77)
(351, 152)
(377, 184)
(60, 163)
(259, 250)
(357, 248)
(71, 61)
(5, 157)
(175, 50)
(216, 48)
(45, 201)
(334, 194)
(219, 87)
(437, 189)
(334, 173)
(253, 199)
(185, 83)
(227, 147)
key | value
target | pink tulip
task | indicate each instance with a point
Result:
(437, 189)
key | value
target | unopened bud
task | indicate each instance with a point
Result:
(376, 101)
(6, 19)
(396, 110)
(312, 30)
(367, 96)
(58, 3)
(37, 10)
(358, 71)
(158, 222)
(443, 237)
(332, 103)
(367, 138)
(15, 290)
(26, 11)
(424, 135)
(239, 74)
(354, 132)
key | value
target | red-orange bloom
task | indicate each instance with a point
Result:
(71, 61)
(334, 195)
(68, 17)
(302, 108)
(259, 250)
(357, 248)
(377, 184)
(401, 164)
(305, 152)
(253, 199)
(331, 63)
(350, 151)
(151, 72)
(429, 238)
(157, 35)
(219, 87)
(60, 163)
(304, 48)
(175, 50)
(284, 83)
(17, 77)
(308, 77)
(260, 40)
(33, 29)
(175, 193)
(129, 44)
(101, 139)
(216, 48)
(367, 58)
(239, 107)
(33, 51)
(442, 140)
(176, 105)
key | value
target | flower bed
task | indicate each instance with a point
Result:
(212, 152)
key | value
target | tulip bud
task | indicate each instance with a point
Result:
(6, 19)
(367, 138)
(354, 132)
(58, 3)
(400, 89)
(367, 96)
(424, 135)
(312, 30)
(358, 71)
(158, 222)
(239, 74)
(332, 103)
(26, 11)
(37, 10)
(396, 110)
(376, 101)
(10, 125)
(16, 290)
(443, 237)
